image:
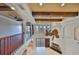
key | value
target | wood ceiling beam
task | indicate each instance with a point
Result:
(5, 8)
(64, 14)
(53, 20)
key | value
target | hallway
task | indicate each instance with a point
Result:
(31, 50)
(41, 51)
(34, 29)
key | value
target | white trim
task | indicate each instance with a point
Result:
(8, 35)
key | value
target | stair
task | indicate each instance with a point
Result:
(56, 48)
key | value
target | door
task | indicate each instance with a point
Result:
(40, 42)
(47, 42)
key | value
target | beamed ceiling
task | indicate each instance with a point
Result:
(54, 7)
(4, 7)
(7, 11)
(52, 10)
(53, 16)
(64, 14)
(53, 20)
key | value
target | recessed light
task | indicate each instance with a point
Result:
(62, 4)
(41, 4)
(12, 8)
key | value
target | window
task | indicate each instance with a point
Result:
(41, 28)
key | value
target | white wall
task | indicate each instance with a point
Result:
(7, 29)
(70, 45)
(57, 26)
(67, 40)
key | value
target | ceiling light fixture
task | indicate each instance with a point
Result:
(41, 4)
(62, 5)
(12, 8)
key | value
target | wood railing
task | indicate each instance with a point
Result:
(9, 44)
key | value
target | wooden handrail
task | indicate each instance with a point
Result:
(10, 44)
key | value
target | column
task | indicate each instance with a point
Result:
(24, 31)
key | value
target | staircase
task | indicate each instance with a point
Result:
(56, 48)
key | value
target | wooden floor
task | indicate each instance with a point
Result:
(32, 51)
(48, 52)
